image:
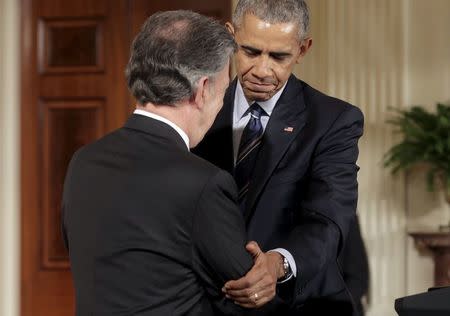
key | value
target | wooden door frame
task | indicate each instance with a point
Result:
(29, 177)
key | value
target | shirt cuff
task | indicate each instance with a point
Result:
(290, 260)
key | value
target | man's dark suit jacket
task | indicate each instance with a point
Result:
(303, 192)
(355, 265)
(151, 228)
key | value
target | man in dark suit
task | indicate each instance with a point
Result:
(355, 266)
(151, 228)
(293, 152)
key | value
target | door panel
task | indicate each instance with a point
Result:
(73, 56)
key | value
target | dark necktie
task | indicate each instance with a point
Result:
(248, 150)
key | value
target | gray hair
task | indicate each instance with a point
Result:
(173, 50)
(275, 11)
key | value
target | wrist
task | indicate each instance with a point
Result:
(278, 260)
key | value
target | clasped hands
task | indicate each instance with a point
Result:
(258, 286)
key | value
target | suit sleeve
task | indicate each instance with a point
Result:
(354, 263)
(329, 205)
(219, 240)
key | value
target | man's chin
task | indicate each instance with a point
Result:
(257, 96)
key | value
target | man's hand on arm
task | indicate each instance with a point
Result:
(258, 286)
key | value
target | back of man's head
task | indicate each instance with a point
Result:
(173, 50)
(275, 11)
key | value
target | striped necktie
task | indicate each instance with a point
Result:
(248, 150)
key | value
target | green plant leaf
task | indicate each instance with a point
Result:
(425, 138)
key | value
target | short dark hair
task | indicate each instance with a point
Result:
(275, 11)
(173, 50)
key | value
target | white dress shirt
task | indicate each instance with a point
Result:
(164, 120)
(240, 120)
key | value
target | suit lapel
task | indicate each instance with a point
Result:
(287, 120)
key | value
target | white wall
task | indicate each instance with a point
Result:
(9, 158)
(427, 82)
(380, 54)
(358, 55)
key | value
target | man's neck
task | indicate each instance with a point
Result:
(178, 115)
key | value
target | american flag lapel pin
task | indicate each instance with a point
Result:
(289, 129)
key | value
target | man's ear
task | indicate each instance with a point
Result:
(305, 45)
(200, 95)
(230, 27)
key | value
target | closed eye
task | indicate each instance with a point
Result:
(280, 56)
(250, 51)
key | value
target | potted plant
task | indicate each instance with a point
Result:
(425, 140)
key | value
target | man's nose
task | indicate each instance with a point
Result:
(262, 68)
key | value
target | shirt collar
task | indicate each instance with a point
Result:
(164, 120)
(241, 104)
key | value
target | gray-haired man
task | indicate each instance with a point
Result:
(151, 228)
(293, 152)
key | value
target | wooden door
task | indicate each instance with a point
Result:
(73, 56)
